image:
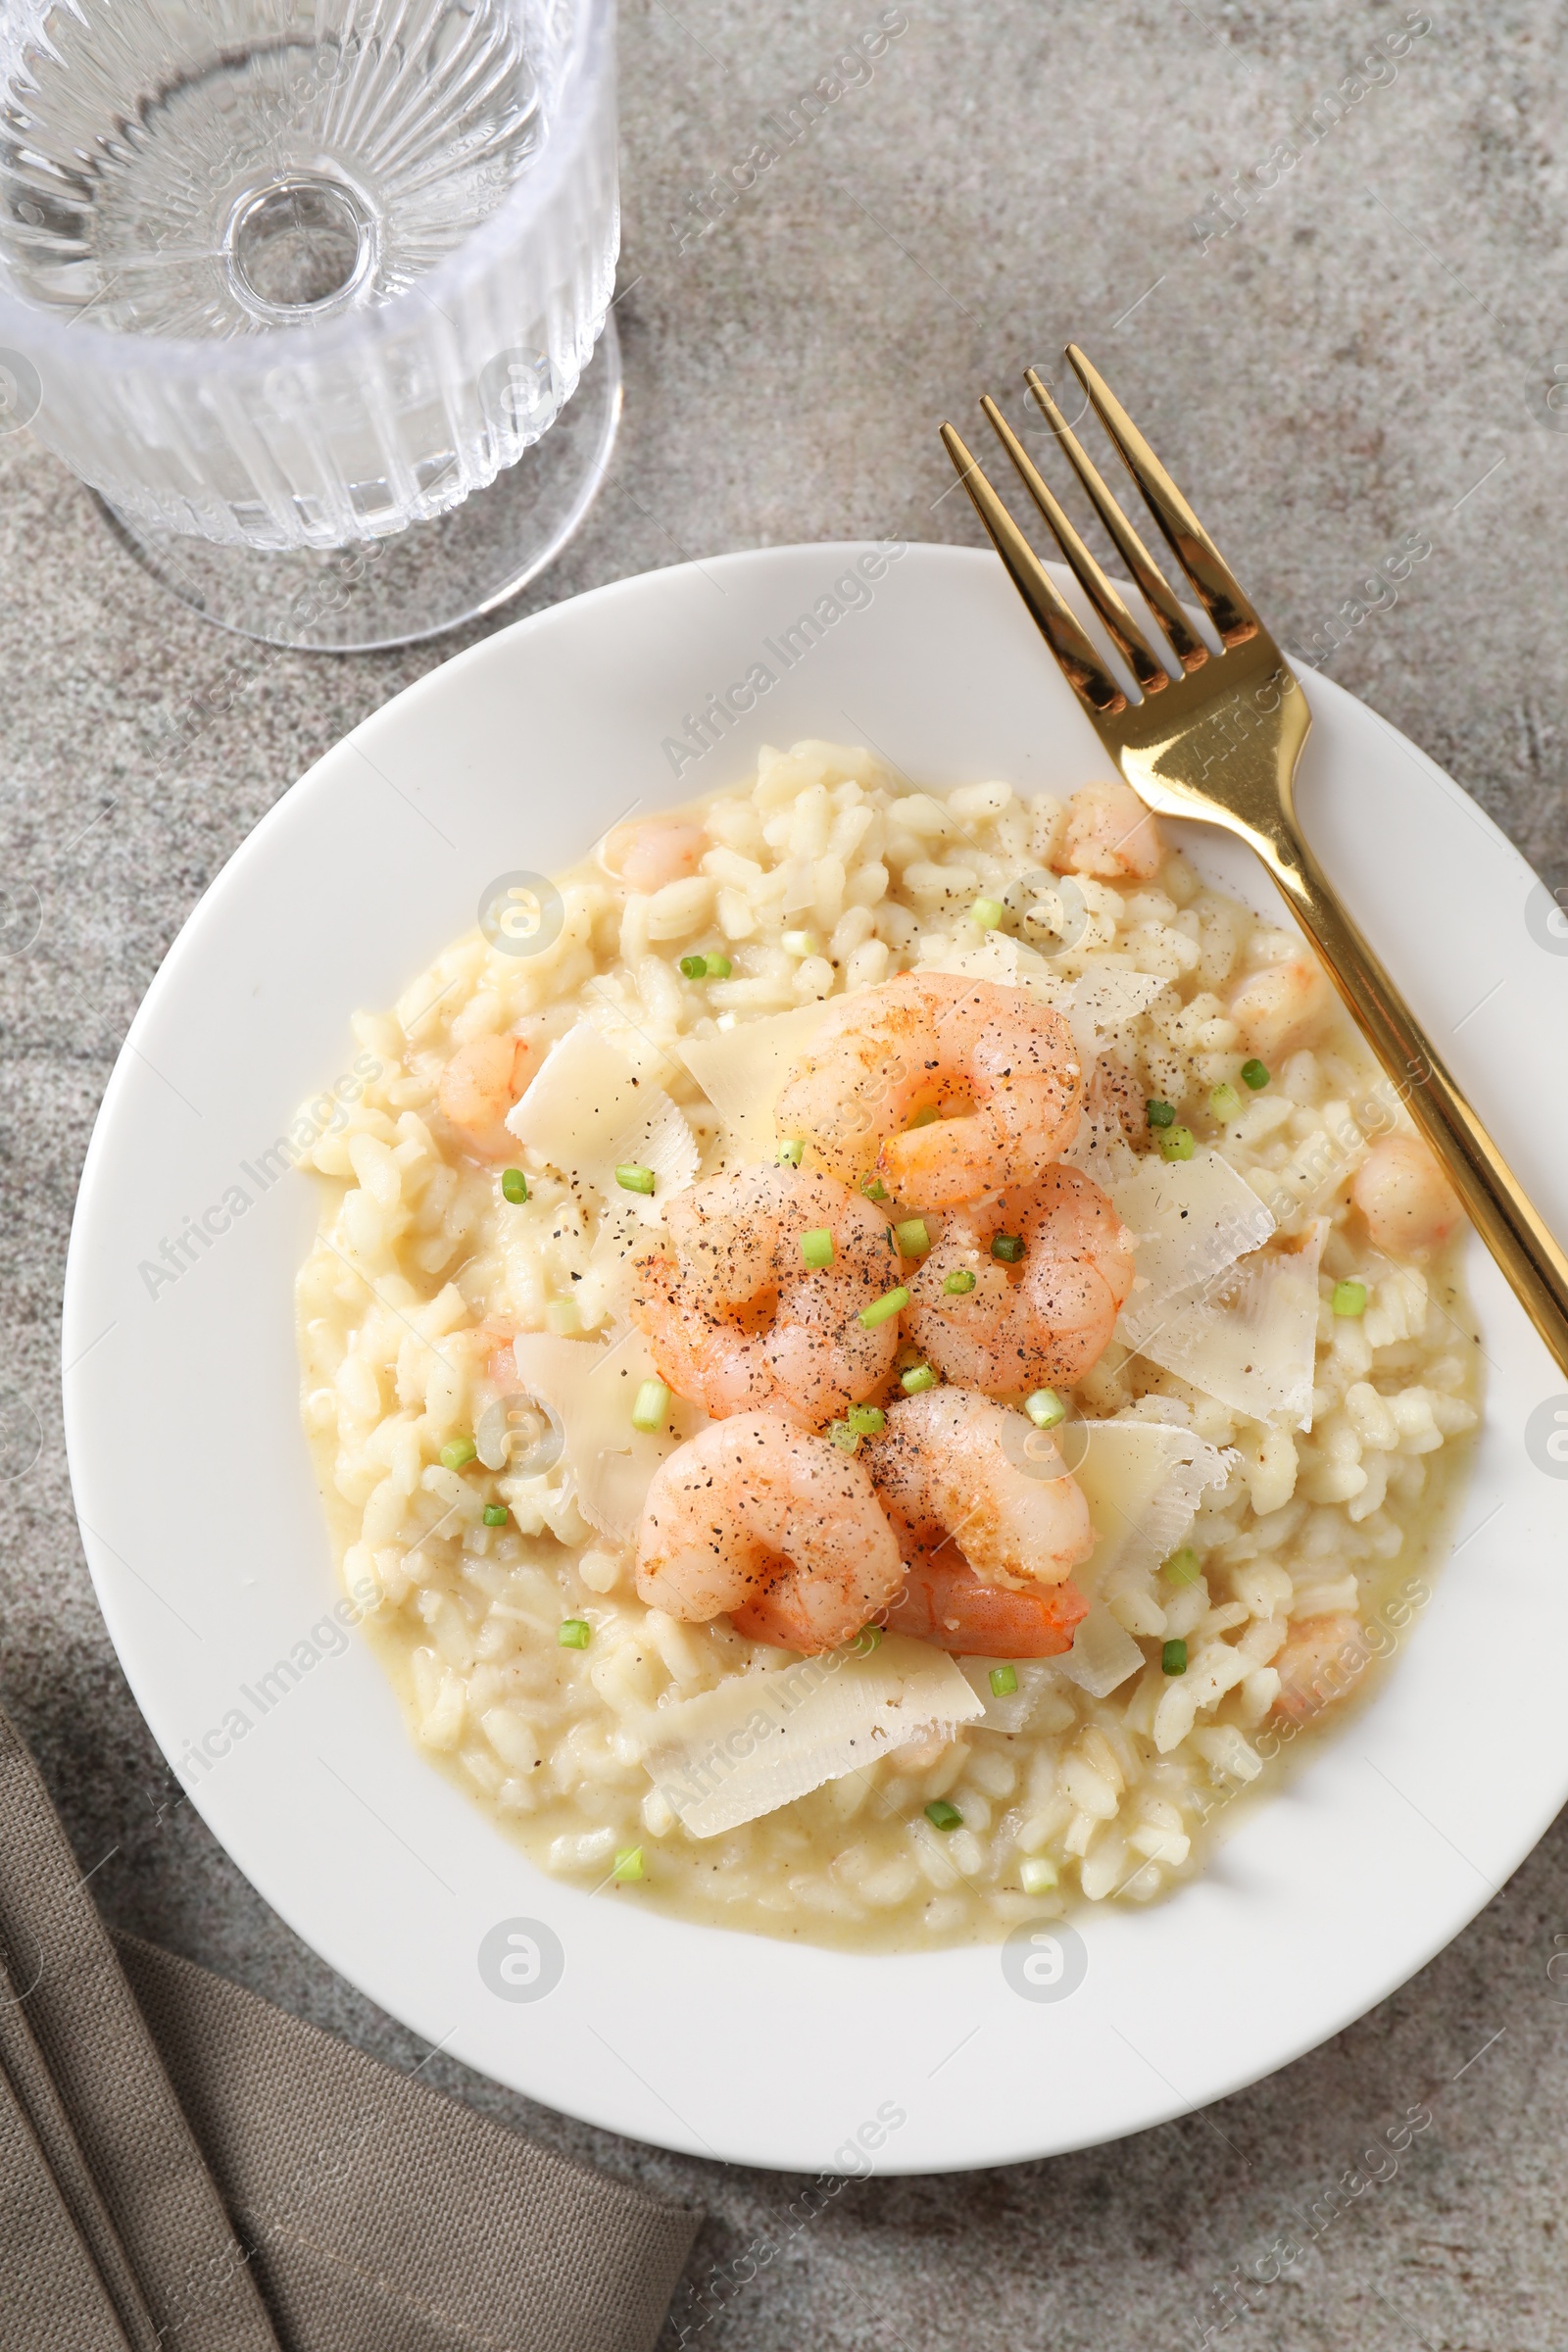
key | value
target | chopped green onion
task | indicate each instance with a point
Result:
(635, 1179)
(576, 1632)
(1173, 1657)
(1044, 1409)
(1177, 1144)
(628, 1864)
(874, 1188)
(561, 1318)
(869, 1419)
(868, 1638)
(926, 1116)
(717, 967)
(1349, 1297)
(1160, 1114)
(917, 1379)
(1223, 1100)
(460, 1451)
(841, 1434)
(1008, 1246)
(650, 1407)
(798, 943)
(1255, 1075)
(495, 1514)
(914, 1239)
(1003, 1682)
(513, 1185)
(817, 1247)
(960, 1283)
(791, 1154)
(1037, 1875)
(942, 1816)
(987, 912)
(883, 1310)
(1184, 1566)
(693, 967)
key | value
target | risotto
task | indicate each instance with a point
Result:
(875, 1357)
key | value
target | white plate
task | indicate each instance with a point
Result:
(205, 1533)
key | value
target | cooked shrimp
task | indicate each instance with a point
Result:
(1319, 1663)
(1042, 1319)
(737, 1318)
(1277, 1008)
(490, 1343)
(647, 857)
(1409, 1203)
(479, 1086)
(980, 1479)
(777, 1526)
(1109, 832)
(947, 1605)
(1004, 1066)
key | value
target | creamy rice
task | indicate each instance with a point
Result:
(825, 874)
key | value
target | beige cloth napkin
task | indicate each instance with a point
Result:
(185, 2168)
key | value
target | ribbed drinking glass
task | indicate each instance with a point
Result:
(310, 292)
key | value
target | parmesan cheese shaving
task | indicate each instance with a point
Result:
(603, 1294)
(591, 1389)
(741, 1071)
(761, 1740)
(1009, 1711)
(1104, 1000)
(1190, 1219)
(1250, 1339)
(1096, 1005)
(1143, 1482)
(1100, 1150)
(1102, 1654)
(1007, 962)
(588, 1113)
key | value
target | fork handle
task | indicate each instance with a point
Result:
(1494, 1199)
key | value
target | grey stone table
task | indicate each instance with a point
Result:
(1332, 290)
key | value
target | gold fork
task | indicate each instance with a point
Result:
(1220, 742)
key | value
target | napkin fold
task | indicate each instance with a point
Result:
(184, 2168)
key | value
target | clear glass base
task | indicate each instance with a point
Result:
(424, 581)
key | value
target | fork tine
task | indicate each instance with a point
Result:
(1125, 633)
(1189, 651)
(1082, 667)
(1191, 545)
